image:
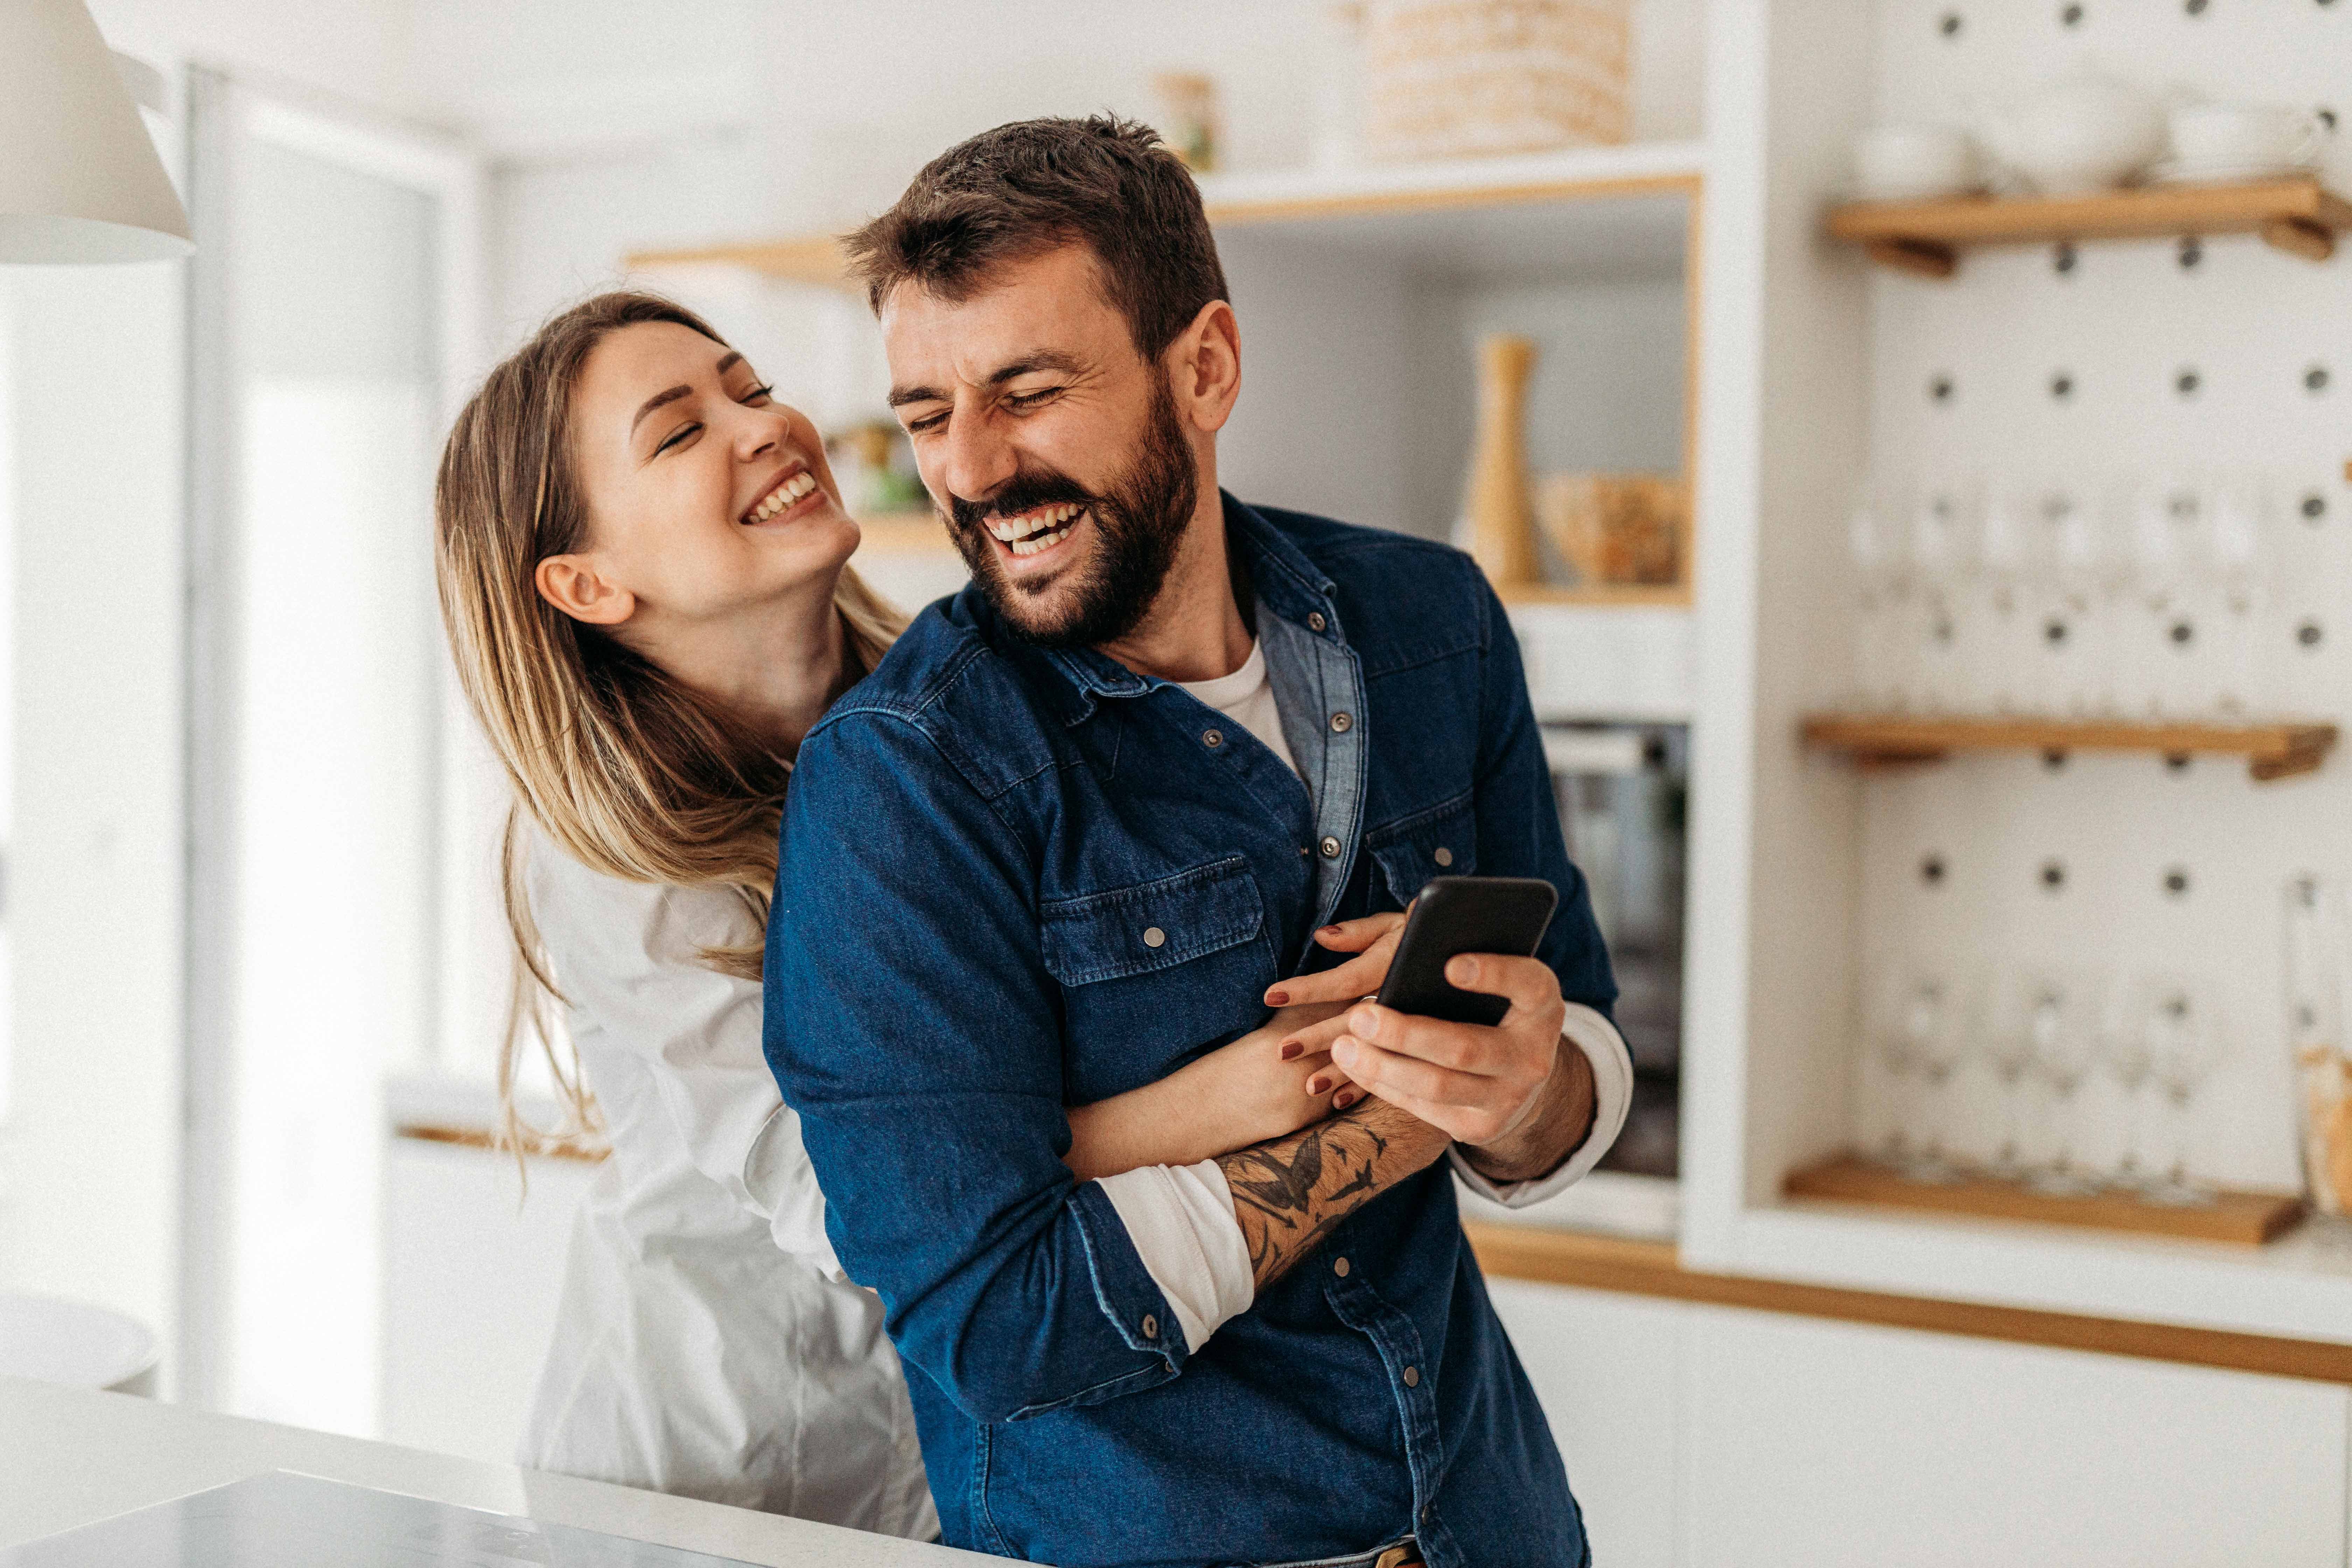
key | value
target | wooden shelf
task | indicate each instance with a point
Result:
(2272, 751)
(2299, 215)
(2242, 1219)
(1607, 595)
(1654, 1269)
(1295, 196)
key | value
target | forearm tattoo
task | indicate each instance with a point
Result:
(1289, 1193)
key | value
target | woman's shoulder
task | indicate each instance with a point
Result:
(618, 925)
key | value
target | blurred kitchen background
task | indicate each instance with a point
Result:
(1910, 438)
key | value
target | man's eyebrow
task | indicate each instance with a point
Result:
(674, 392)
(1011, 370)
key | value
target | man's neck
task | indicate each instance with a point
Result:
(1194, 629)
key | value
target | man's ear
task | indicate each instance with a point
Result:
(1205, 367)
(572, 583)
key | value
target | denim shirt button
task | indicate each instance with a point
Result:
(1340, 1267)
(1315, 621)
(1153, 936)
(1413, 1377)
(1342, 723)
(1212, 738)
(1330, 848)
(1445, 856)
(1151, 1327)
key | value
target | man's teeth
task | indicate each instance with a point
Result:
(782, 496)
(1034, 530)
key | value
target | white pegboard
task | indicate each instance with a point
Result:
(2120, 325)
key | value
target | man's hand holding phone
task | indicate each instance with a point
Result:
(1505, 1090)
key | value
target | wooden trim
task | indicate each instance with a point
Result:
(1652, 1268)
(2272, 751)
(483, 1138)
(815, 259)
(1293, 210)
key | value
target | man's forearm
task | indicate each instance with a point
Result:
(1288, 1195)
(1560, 1120)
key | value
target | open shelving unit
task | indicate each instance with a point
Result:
(2298, 216)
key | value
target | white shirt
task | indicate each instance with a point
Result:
(706, 1342)
(1180, 1217)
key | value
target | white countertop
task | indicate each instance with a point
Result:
(73, 1458)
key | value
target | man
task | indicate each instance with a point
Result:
(1079, 828)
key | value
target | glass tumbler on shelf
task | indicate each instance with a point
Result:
(2162, 665)
(1916, 1038)
(1947, 523)
(2004, 662)
(2240, 523)
(2316, 973)
(2061, 1023)
(2005, 1042)
(1878, 542)
(2175, 1015)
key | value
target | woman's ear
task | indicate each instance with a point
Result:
(573, 586)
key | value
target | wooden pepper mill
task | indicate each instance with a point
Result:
(1499, 505)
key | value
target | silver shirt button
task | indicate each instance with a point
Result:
(1330, 848)
(1445, 856)
(1342, 723)
(1153, 936)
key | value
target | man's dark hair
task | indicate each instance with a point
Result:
(1028, 187)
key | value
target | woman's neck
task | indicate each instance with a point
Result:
(773, 674)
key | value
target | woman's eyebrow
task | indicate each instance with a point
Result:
(681, 390)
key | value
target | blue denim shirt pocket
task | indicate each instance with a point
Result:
(1442, 841)
(1152, 926)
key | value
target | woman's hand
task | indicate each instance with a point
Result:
(1267, 1084)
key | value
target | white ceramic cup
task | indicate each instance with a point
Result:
(1915, 163)
(2242, 136)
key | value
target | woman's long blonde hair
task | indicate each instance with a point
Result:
(626, 770)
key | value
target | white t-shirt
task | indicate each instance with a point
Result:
(1180, 1217)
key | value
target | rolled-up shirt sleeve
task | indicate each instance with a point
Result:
(1612, 1096)
(912, 1024)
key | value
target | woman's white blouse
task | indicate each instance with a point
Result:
(706, 1342)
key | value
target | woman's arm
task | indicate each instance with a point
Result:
(1271, 1082)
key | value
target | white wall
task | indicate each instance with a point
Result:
(89, 1187)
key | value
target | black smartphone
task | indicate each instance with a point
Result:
(1465, 914)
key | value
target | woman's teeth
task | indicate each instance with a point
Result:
(1034, 530)
(782, 496)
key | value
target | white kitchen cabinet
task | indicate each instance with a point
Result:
(470, 1283)
(1716, 1437)
(1607, 1368)
(1823, 1444)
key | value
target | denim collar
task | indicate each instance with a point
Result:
(1286, 582)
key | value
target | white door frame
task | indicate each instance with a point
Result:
(227, 116)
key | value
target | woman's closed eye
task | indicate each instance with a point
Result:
(756, 397)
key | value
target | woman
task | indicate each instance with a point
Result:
(643, 569)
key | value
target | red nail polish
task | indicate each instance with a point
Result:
(1277, 998)
(1330, 930)
(1291, 1048)
(1317, 1085)
(1344, 1099)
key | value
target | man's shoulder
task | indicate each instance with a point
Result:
(945, 691)
(1403, 596)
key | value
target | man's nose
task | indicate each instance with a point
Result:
(972, 461)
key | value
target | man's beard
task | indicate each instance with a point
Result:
(1140, 521)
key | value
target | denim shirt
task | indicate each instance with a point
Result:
(1015, 879)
